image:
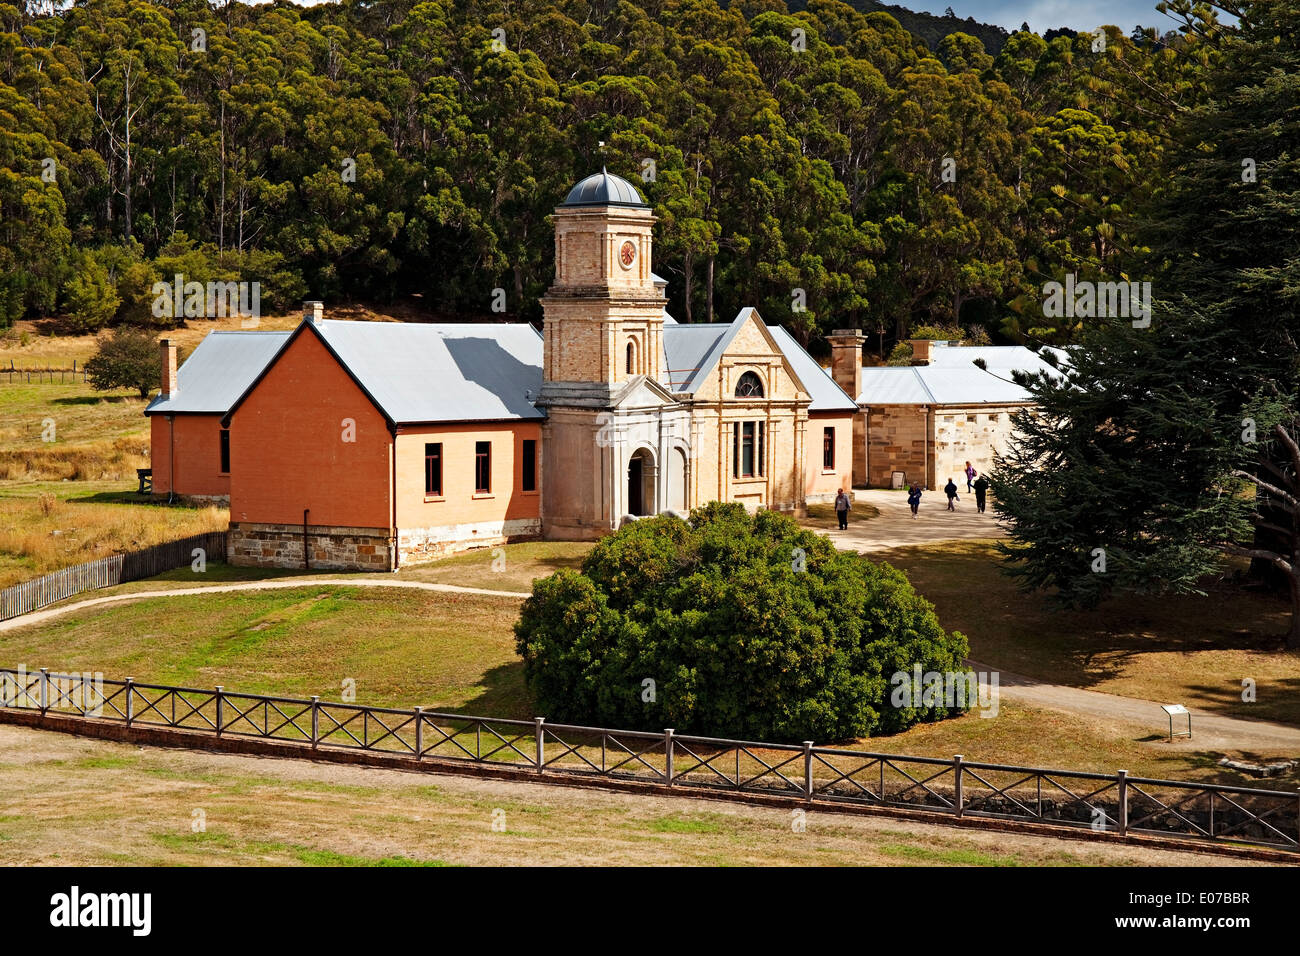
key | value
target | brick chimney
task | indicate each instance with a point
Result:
(167, 352)
(846, 360)
(313, 310)
(921, 351)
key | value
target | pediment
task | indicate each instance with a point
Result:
(641, 392)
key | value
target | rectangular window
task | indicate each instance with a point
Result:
(828, 448)
(530, 465)
(747, 448)
(482, 467)
(433, 468)
(225, 451)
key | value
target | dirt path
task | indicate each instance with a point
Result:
(1209, 731)
(37, 617)
(895, 527)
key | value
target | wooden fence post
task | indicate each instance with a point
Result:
(540, 732)
(807, 770)
(960, 795)
(218, 710)
(668, 756)
(1123, 802)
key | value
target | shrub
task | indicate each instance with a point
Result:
(749, 626)
(129, 359)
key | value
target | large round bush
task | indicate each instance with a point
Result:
(748, 626)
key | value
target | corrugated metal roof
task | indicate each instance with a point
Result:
(218, 370)
(825, 394)
(443, 372)
(686, 347)
(996, 357)
(886, 385)
(953, 378)
(970, 386)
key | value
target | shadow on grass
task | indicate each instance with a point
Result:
(504, 694)
(1134, 637)
(96, 399)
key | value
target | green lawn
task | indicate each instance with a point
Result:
(401, 647)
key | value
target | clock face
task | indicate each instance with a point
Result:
(627, 254)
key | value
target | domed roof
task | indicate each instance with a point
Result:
(604, 189)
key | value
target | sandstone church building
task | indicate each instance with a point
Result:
(372, 445)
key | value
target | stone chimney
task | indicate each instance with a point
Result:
(921, 351)
(167, 350)
(846, 360)
(313, 310)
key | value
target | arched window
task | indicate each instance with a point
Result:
(631, 358)
(749, 386)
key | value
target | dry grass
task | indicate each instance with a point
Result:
(1188, 649)
(53, 431)
(47, 526)
(73, 801)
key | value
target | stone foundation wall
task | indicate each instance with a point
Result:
(415, 545)
(332, 548)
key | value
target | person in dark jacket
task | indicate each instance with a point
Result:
(842, 509)
(981, 490)
(950, 489)
(914, 497)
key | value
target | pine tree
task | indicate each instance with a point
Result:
(1146, 450)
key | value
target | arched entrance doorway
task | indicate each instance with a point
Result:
(641, 483)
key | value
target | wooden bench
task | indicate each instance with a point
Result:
(146, 480)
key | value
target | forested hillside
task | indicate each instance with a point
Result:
(381, 150)
(928, 27)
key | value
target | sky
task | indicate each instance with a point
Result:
(1042, 15)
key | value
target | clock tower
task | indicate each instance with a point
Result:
(603, 331)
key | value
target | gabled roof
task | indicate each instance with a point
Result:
(952, 378)
(218, 371)
(826, 395)
(437, 372)
(692, 351)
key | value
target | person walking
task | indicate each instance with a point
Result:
(842, 509)
(914, 497)
(970, 476)
(981, 490)
(950, 489)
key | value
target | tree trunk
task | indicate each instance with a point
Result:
(709, 287)
(688, 267)
(1293, 635)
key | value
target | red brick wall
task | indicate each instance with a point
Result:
(287, 449)
(197, 443)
